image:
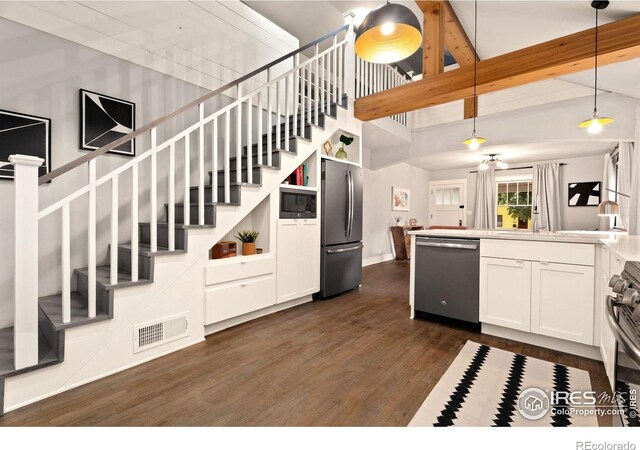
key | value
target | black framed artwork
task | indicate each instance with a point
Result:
(584, 193)
(24, 134)
(104, 119)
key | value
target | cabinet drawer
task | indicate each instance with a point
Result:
(241, 297)
(557, 252)
(230, 270)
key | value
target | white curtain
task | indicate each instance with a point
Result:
(634, 208)
(608, 181)
(546, 194)
(625, 159)
(486, 200)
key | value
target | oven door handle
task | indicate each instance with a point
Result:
(621, 336)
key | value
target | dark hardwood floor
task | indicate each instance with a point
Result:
(353, 360)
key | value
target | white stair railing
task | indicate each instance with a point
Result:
(314, 83)
(372, 78)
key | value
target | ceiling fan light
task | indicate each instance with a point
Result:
(484, 165)
(389, 33)
(501, 164)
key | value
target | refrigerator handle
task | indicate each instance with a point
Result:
(346, 231)
(351, 201)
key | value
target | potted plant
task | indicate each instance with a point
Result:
(248, 239)
(344, 140)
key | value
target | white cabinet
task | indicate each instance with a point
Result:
(309, 248)
(237, 286)
(505, 292)
(562, 301)
(298, 258)
(611, 265)
(539, 287)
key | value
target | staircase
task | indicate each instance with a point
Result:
(252, 145)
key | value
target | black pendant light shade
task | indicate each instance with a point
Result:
(389, 33)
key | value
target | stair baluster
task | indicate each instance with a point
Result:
(316, 87)
(91, 241)
(286, 112)
(227, 156)
(250, 142)
(278, 114)
(134, 222)
(154, 191)
(269, 119)
(66, 264)
(171, 213)
(296, 100)
(201, 168)
(214, 161)
(308, 92)
(113, 251)
(238, 140)
(186, 211)
(260, 109)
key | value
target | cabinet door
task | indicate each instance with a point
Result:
(562, 301)
(287, 260)
(309, 256)
(505, 293)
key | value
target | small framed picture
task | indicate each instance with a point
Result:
(400, 199)
(104, 119)
(584, 193)
(24, 134)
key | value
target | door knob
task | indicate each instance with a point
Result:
(444, 303)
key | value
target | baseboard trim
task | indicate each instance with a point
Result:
(103, 375)
(219, 326)
(377, 259)
(573, 348)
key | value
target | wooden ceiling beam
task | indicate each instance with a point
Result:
(618, 41)
(432, 37)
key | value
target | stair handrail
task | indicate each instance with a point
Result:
(148, 127)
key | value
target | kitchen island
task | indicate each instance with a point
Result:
(545, 288)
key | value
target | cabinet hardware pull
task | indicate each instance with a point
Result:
(243, 284)
(243, 262)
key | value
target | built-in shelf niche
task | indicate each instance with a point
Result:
(313, 172)
(354, 151)
(259, 220)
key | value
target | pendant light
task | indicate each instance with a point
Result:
(493, 162)
(474, 141)
(389, 33)
(595, 123)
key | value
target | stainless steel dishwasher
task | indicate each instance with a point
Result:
(447, 277)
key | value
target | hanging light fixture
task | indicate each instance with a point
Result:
(474, 141)
(389, 33)
(595, 123)
(493, 162)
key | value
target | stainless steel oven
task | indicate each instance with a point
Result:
(297, 203)
(623, 317)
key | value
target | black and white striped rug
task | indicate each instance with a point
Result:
(485, 386)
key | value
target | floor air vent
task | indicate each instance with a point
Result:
(158, 332)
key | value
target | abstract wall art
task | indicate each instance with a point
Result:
(104, 119)
(584, 193)
(23, 134)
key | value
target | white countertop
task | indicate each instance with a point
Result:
(626, 247)
(580, 237)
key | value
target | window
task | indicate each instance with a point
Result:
(448, 196)
(514, 204)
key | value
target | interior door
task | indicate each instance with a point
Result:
(447, 203)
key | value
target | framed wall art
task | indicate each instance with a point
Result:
(400, 199)
(104, 119)
(584, 193)
(24, 134)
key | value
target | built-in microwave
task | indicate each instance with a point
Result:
(297, 203)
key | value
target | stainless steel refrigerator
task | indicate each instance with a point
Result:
(341, 252)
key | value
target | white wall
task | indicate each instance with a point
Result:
(577, 169)
(41, 75)
(378, 216)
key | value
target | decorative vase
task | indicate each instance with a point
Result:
(248, 248)
(341, 154)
